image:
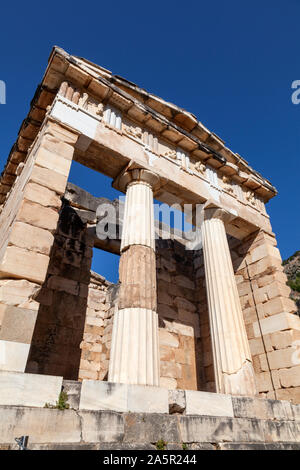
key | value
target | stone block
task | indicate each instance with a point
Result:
(279, 322)
(53, 161)
(296, 412)
(49, 178)
(22, 389)
(97, 395)
(13, 356)
(168, 382)
(15, 292)
(217, 429)
(177, 402)
(282, 358)
(204, 403)
(184, 304)
(264, 266)
(263, 251)
(18, 262)
(166, 353)
(259, 408)
(31, 238)
(270, 292)
(46, 197)
(292, 394)
(167, 339)
(102, 426)
(37, 215)
(283, 339)
(58, 283)
(279, 305)
(170, 369)
(263, 382)
(166, 311)
(146, 399)
(256, 346)
(18, 324)
(281, 431)
(179, 328)
(73, 389)
(40, 424)
(144, 427)
(290, 377)
(184, 282)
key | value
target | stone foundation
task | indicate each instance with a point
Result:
(104, 415)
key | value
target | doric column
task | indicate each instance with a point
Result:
(234, 372)
(134, 351)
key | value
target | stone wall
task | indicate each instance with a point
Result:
(206, 344)
(181, 360)
(273, 328)
(96, 341)
(28, 221)
(55, 347)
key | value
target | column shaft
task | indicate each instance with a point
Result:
(134, 351)
(234, 372)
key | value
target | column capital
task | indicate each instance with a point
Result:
(211, 211)
(136, 175)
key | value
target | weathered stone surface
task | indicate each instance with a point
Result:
(16, 292)
(137, 278)
(282, 358)
(167, 339)
(147, 399)
(278, 322)
(73, 390)
(13, 356)
(216, 429)
(53, 161)
(248, 407)
(105, 426)
(97, 395)
(42, 425)
(290, 377)
(177, 401)
(44, 196)
(21, 263)
(18, 324)
(19, 389)
(143, 427)
(49, 178)
(31, 238)
(211, 404)
(37, 215)
(257, 446)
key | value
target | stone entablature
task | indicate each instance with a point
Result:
(227, 177)
(163, 127)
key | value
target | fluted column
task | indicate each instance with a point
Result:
(134, 355)
(234, 372)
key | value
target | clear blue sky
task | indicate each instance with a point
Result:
(230, 63)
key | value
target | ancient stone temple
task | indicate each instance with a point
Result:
(199, 338)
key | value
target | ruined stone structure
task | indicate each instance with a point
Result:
(205, 314)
